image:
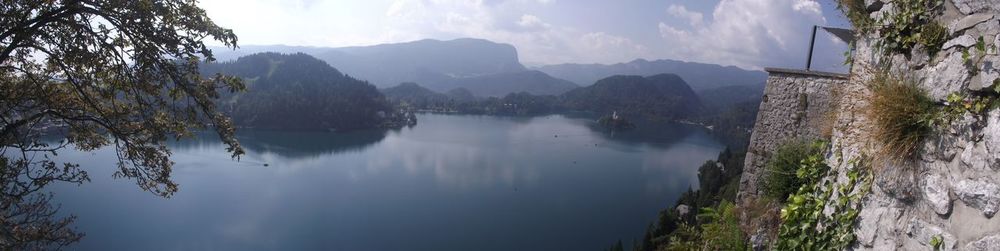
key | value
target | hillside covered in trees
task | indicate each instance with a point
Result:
(664, 96)
(300, 92)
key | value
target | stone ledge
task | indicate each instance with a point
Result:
(807, 73)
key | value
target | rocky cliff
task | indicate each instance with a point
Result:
(945, 195)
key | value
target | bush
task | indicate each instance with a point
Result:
(933, 36)
(902, 116)
(906, 24)
(780, 179)
(822, 213)
(722, 232)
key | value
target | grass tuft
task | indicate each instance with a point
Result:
(902, 115)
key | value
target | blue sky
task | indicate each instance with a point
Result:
(746, 33)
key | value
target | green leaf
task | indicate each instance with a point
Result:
(981, 45)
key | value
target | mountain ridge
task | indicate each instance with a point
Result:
(700, 76)
(442, 65)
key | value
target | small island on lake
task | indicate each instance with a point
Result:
(615, 122)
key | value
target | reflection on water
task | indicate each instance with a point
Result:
(291, 144)
(450, 183)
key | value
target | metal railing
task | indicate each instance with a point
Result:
(846, 35)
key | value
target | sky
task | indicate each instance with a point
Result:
(750, 34)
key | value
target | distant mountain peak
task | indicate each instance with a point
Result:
(427, 61)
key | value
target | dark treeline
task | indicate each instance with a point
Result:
(664, 96)
(299, 92)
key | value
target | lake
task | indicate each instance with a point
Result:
(452, 182)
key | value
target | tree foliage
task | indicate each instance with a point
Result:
(106, 73)
(300, 92)
(780, 178)
(718, 182)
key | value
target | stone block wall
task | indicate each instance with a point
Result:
(951, 189)
(796, 105)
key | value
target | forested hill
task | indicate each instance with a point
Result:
(699, 76)
(299, 92)
(411, 94)
(664, 95)
(501, 84)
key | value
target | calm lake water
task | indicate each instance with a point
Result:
(450, 183)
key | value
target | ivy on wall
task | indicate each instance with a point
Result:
(804, 225)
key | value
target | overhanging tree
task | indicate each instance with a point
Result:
(108, 73)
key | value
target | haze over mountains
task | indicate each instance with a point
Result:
(698, 75)
(485, 68)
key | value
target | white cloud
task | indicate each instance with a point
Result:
(807, 6)
(746, 33)
(694, 18)
(537, 41)
(533, 23)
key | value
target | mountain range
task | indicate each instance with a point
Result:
(438, 65)
(301, 92)
(487, 69)
(698, 75)
(658, 96)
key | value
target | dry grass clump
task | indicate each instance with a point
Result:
(760, 216)
(902, 115)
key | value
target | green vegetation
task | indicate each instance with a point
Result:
(936, 242)
(975, 103)
(805, 222)
(413, 96)
(905, 27)
(615, 123)
(856, 12)
(902, 115)
(973, 59)
(662, 96)
(718, 183)
(722, 230)
(731, 112)
(300, 92)
(719, 230)
(781, 172)
(911, 24)
(933, 36)
(116, 74)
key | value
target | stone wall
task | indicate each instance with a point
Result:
(951, 189)
(796, 105)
